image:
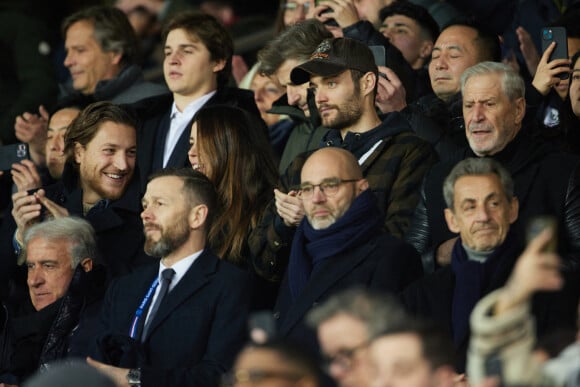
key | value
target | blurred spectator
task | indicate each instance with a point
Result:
(412, 354)
(267, 90)
(275, 363)
(346, 323)
(70, 374)
(503, 327)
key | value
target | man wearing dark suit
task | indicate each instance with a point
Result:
(179, 322)
(338, 244)
(197, 66)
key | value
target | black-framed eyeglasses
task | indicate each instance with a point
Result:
(344, 358)
(329, 187)
(256, 376)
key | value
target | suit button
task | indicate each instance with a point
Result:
(276, 315)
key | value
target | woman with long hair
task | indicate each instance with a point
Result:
(231, 148)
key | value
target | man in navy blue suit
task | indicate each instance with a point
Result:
(181, 321)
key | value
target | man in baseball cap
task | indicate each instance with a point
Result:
(334, 56)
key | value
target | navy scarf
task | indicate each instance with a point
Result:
(311, 247)
(473, 280)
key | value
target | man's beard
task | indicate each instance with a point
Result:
(171, 239)
(347, 114)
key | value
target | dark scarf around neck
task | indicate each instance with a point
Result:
(311, 247)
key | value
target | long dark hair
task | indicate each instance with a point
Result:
(234, 146)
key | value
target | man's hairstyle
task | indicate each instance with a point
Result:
(487, 43)
(197, 188)
(428, 25)
(213, 35)
(84, 128)
(376, 310)
(112, 31)
(297, 42)
(436, 346)
(293, 355)
(512, 83)
(477, 166)
(76, 231)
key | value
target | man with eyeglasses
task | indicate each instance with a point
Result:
(339, 243)
(346, 324)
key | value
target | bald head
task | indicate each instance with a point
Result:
(335, 159)
(331, 179)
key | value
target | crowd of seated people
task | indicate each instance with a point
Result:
(385, 192)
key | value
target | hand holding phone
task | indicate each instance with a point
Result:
(558, 36)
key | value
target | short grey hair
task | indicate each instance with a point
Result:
(377, 311)
(476, 166)
(78, 232)
(512, 83)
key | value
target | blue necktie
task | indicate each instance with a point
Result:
(166, 277)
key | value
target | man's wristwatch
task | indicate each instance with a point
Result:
(134, 377)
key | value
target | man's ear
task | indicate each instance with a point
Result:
(426, 49)
(520, 111)
(219, 65)
(197, 216)
(87, 264)
(367, 83)
(362, 185)
(116, 57)
(514, 209)
(79, 151)
(451, 221)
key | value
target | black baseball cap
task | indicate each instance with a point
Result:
(334, 56)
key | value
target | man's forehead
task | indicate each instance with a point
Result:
(459, 37)
(184, 37)
(164, 186)
(478, 185)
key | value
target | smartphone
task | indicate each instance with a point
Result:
(558, 35)
(380, 55)
(12, 154)
(538, 224)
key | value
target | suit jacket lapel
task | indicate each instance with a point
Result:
(198, 275)
(148, 145)
(331, 271)
(178, 157)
